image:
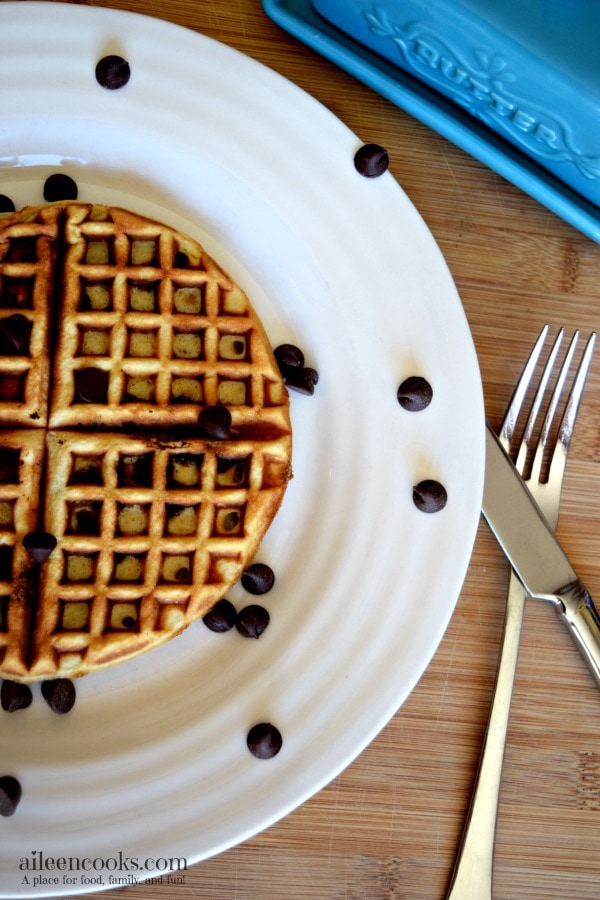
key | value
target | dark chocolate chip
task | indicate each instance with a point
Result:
(9, 465)
(15, 332)
(264, 740)
(429, 496)
(112, 72)
(91, 385)
(6, 204)
(288, 356)
(415, 393)
(39, 545)
(60, 187)
(221, 617)
(258, 578)
(14, 696)
(302, 380)
(59, 694)
(215, 422)
(252, 621)
(371, 160)
(10, 794)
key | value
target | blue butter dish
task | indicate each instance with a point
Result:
(529, 69)
(515, 83)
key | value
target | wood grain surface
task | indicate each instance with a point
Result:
(389, 826)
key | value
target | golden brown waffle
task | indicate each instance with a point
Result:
(28, 242)
(154, 526)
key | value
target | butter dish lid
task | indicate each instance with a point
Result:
(449, 118)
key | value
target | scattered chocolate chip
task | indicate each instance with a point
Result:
(415, 393)
(252, 621)
(221, 617)
(6, 204)
(39, 545)
(10, 794)
(264, 740)
(112, 72)
(258, 578)
(302, 380)
(14, 696)
(60, 187)
(288, 357)
(15, 332)
(371, 160)
(429, 496)
(215, 422)
(59, 694)
(91, 385)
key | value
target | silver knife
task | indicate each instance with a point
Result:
(534, 552)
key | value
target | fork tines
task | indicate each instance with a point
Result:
(551, 396)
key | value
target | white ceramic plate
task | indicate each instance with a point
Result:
(151, 765)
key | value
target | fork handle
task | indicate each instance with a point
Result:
(472, 876)
(576, 609)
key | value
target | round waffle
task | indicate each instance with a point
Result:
(116, 332)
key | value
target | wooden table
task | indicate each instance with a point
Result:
(389, 826)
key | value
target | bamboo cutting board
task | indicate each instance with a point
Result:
(389, 826)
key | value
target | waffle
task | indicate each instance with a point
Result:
(134, 331)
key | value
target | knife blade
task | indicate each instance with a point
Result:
(535, 553)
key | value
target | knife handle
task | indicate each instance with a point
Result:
(576, 608)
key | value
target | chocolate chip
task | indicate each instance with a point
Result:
(14, 696)
(429, 496)
(215, 422)
(264, 740)
(15, 332)
(302, 380)
(371, 160)
(221, 617)
(258, 578)
(252, 621)
(112, 72)
(9, 465)
(59, 694)
(415, 393)
(60, 187)
(288, 356)
(6, 204)
(91, 385)
(39, 545)
(10, 794)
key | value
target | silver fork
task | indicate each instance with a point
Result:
(472, 876)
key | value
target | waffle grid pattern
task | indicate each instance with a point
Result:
(26, 281)
(153, 528)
